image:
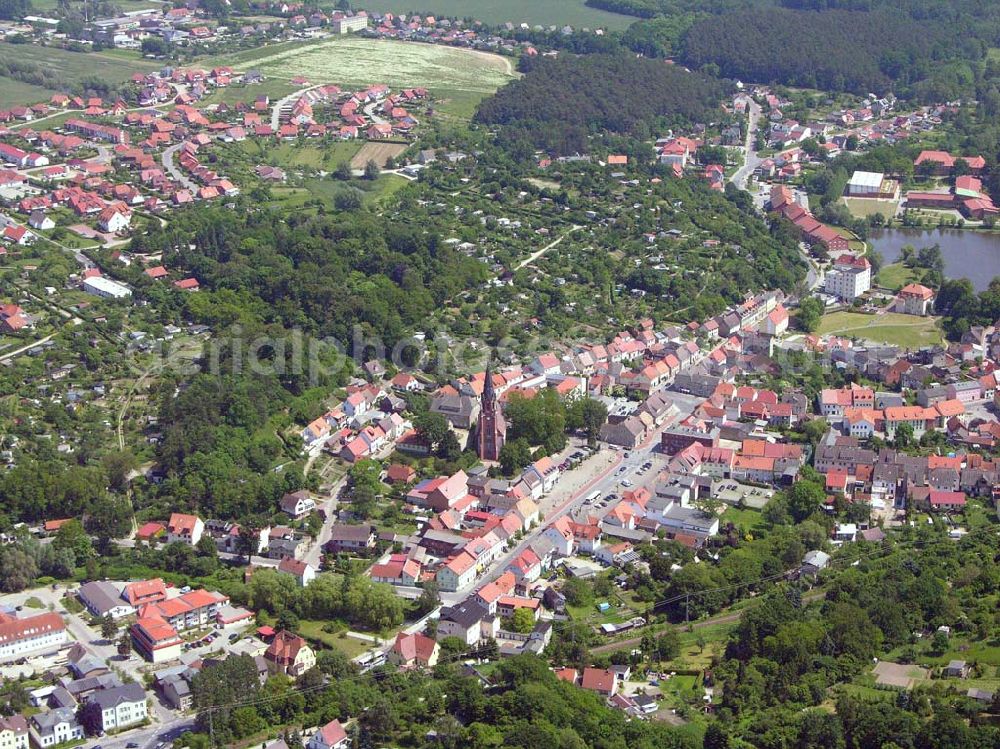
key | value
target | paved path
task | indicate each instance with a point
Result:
(173, 171)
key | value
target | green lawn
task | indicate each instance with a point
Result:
(890, 328)
(349, 646)
(745, 519)
(546, 13)
(865, 207)
(34, 603)
(897, 275)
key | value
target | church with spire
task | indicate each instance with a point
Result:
(491, 432)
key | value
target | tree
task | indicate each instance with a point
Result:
(71, 535)
(432, 427)
(372, 170)
(248, 538)
(429, 598)
(805, 498)
(514, 456)
(108, 627)
(715, 737)
(89, 714)
(587, 414)
(668, 645)
(810, 311)
(522, 621)
(903, 436)
(288, 620)
(342, 171)
(18, 569)
(155, 46)
(939, 643)
(125, 643)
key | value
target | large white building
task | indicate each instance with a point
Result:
(865, 184)
(106, 288)
(850, 277)
(345, 24)
(35, 634)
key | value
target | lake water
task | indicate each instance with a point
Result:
(967, 254)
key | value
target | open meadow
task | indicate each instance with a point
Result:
(69, 68)
(458, 78)
(891, 328)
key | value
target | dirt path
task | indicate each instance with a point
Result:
(535, 255)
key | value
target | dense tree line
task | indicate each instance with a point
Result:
(836, 50)
(321, 274)
(559, 102)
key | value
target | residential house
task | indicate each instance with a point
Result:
(185, 528)
(303, 572)
(121, 707)
(330, 736)
(289, 654)
(414, 651)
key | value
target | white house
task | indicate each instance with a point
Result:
(55, 727)
(330, 736)
(120, 706)
(185, 528)
(458, 573)
(303, 572)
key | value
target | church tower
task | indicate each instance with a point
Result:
(491, 432)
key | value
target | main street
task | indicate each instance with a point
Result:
(751, 160)
(621, 465)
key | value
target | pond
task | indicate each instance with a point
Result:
(967, 254)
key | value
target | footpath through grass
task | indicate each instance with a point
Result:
(890, 328)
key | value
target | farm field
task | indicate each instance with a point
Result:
(458, 78)
(70, 68)
(544, 12)
(380, 153)
(890, 328)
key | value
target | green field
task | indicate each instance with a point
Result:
(891, 328)
(897, 275)
(543, 12)
(71, 68)
(458, 78)
(865, 207)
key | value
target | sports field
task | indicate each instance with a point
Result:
(891, 328)
(455, 76)
(543, 12)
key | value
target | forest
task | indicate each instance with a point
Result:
(835, 50)
(321, 274)
(560, 101)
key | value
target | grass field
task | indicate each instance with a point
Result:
(865, 207)
(458, 78)
(543, 12)
(891, 328)
(744, 519)
(897, 275)
(70, 67)
(291, 155)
